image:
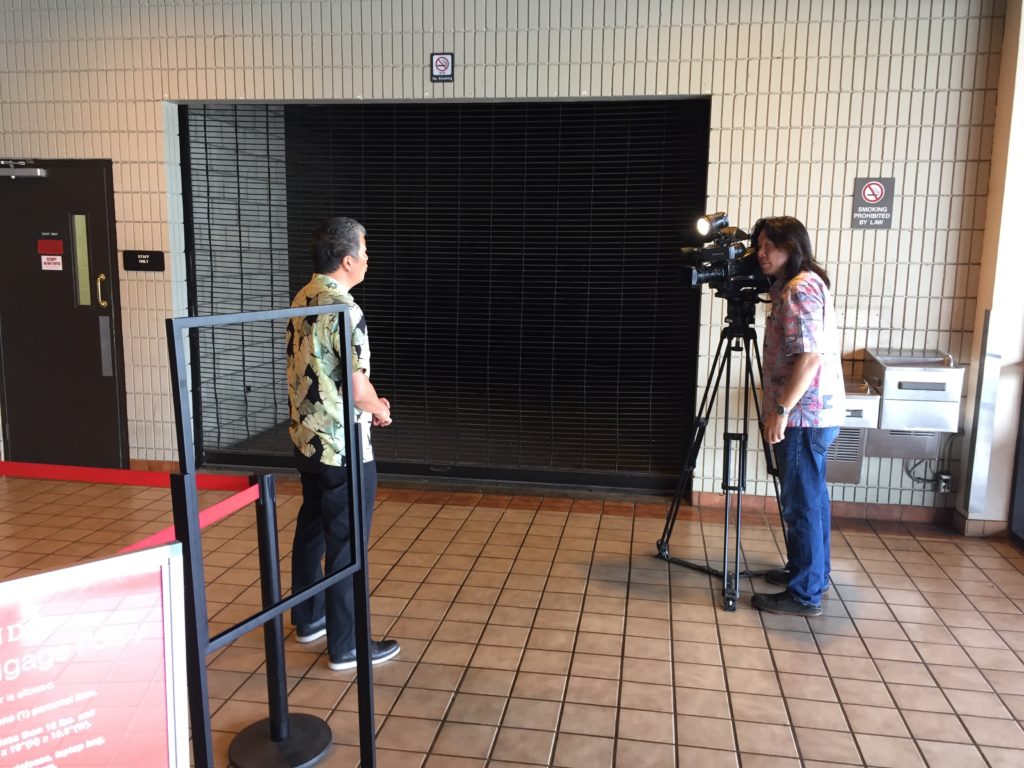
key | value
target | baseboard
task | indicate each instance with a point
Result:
(979, 527)
(146, 465)
(903, 513)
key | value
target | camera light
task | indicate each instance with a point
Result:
(712, 223)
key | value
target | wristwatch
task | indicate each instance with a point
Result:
(781, 409)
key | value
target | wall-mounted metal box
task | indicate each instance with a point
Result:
(846, 454)
(845, 457)
(861, 405)
(919, 390)
(902, 444)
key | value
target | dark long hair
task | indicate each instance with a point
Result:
(791, 236)
(332, 241)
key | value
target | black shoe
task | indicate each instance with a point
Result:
(783, 602)
(780, 578)
(307, 633)
(380, 651)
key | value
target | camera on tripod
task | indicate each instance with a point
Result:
(731, 268)
(726, 263)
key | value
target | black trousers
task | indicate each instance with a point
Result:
(322, 530)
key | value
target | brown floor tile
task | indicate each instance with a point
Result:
(935, 726)
(419, 702)
(477, 709)
(523, 746)
(692, 701)
(465, 740)
(581, 751)
(639, 725)
(589, 690)
(706, 732)
(811, 687)
(889, 752)
(852, 667)
(923, 698)
(647, 696)
(534, 685)
(880, 721)
(977, 703)
(759, 709)
(533, 714)
(407, 733)
(827, 745)
(944, 755)
(644, 754)
(588, 719)
(399, 758)
(995, 733)
(817, 715)
(534, 636)
(765, 739)
(753, 681)
(867, 693)
(707, 758)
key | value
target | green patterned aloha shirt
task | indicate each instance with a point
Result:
(316, 407)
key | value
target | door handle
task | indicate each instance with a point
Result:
(100, 279)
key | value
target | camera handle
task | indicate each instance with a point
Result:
(738, 336)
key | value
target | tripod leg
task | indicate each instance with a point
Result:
(700, 425)
(733, 496)
(673, 513)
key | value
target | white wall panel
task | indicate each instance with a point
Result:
(806, 97)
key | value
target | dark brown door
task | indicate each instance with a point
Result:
(61, 367)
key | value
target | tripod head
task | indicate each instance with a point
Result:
(739, 314)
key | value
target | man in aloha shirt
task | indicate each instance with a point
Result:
(804, 406)
(317, 428)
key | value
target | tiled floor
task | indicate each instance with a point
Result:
(542, 631)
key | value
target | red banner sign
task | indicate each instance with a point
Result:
(87, 669)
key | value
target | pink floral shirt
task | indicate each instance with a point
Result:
(802, 319)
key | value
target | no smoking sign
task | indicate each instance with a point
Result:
(873, 192)
(442, 67)
(872, 203)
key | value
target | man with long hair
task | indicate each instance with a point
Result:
(804, 406)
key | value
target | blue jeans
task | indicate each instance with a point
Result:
(806, 509)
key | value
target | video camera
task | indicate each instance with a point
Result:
(726, 263)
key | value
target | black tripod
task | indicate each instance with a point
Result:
(738, 336)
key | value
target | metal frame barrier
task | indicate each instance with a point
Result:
(282, 739)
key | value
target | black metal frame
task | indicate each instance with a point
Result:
(738, 335)
(293, 739)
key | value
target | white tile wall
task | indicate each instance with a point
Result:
(806, 97)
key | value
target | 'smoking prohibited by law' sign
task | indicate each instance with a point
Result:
(872, 203)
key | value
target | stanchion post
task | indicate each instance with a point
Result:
(283, 739)
(185, 505)
(364, 642)
(360, 579)
(270, 587)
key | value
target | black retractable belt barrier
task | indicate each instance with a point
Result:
(283, 739)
